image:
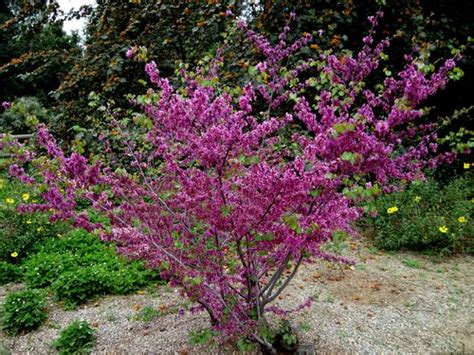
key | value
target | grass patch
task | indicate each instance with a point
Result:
(413, 263)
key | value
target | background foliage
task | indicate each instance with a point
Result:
(43, 61)
(35, 52)
(428, 217)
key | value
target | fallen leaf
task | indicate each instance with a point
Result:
(375, 286)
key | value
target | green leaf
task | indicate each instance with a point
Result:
(196, 280)
(292, 222)
(226, 210)
(349, 156)
(342, 128)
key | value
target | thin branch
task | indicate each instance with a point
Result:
(269, 299)
(276, 275)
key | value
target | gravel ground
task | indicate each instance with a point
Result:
(387, 303)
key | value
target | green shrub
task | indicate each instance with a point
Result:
(79, 266)
(23, 311)
(44, 268)
(427, 216)
(78, 286)
(21, 233)
(77, 338)
(130, 278)
(24, 114)
(78, 242)
(9, 272)
(4, 350)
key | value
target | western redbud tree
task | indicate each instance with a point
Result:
(228, 200)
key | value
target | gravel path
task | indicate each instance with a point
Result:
(386, 303)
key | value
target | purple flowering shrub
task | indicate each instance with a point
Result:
(223, 202)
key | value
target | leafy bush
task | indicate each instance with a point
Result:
(44, 268)
(77, 242)
(427, 216)
(21, 232)
(9, 272)
(23, 311)
(78, 286)
(77, 338)
(130, 278)
(80, 266)
(24, 114)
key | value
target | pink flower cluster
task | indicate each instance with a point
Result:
(229, 202)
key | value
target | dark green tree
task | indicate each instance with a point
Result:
(168, 32)
(35, 52)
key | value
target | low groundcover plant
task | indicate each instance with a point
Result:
(238, 187)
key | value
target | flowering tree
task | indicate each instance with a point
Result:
(229, 200)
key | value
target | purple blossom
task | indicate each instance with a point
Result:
(241, 195)
(131, 52)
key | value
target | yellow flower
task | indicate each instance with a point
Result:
(462, 219)
(40, 229)
(25, 196)
(28, 221)
(392, 209)
(9, 200)
(14, 254)
(467, 165)
(443, 229)
(34, 201)
(59, 235)
(417, 199)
